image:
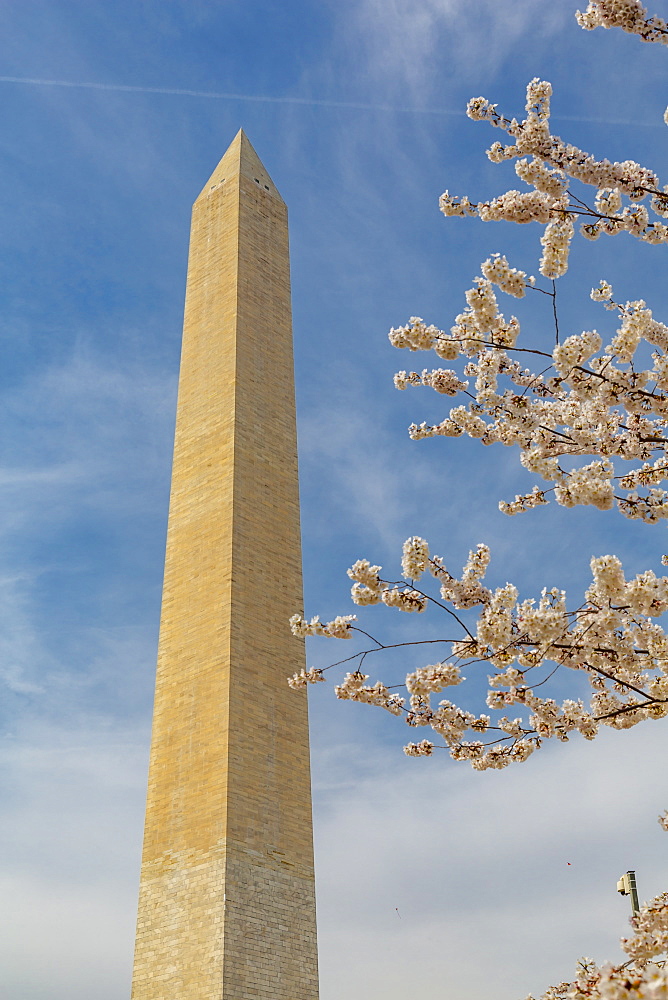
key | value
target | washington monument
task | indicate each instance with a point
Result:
(227, 905)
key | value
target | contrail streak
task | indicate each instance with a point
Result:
(223, 96)
(305, 101)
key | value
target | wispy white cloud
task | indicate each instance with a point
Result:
(399, 40)
(99, 456)
(71, 819)
(435, 882)
(103, 433)
(431, 881)
(355, 469)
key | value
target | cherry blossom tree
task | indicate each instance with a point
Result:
(591, 421)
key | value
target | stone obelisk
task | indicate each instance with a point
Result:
(226, 907)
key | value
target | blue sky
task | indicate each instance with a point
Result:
(432, 881)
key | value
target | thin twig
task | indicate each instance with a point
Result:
(554, 310)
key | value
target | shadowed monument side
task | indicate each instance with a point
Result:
(227, 901)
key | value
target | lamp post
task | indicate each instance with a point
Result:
(627, 887)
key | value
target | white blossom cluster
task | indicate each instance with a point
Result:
(573, 421)
(612, 636)
(415, 557)
(368, 588)
(612, 982)
(404, 598)
(509, 279)
(523, 502)
(603, 294)
(650, 925)
(441, 379)
(547, 164)
(416, 336)
(424, 748)
(353, 688)
(311, 676)
(432, 679)
(629, 15)
(339, 628)
(556, 243)
(532, 137)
